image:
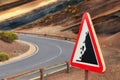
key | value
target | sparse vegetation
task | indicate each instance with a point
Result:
(71, 9)
(8, 36)
(4, 56)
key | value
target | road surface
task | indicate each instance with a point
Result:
(50, 52)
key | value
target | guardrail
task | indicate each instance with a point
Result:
(41, 72)
(50, 36)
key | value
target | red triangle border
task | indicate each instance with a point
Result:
(96, 46)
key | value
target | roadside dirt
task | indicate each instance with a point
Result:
(21, 51)
(14, 49)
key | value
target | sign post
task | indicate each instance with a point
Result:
(87, 75)
(87, 53)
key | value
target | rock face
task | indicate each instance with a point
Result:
(36, 14)
(109, 24)
(105, 15)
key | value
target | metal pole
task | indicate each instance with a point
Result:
(41, 74)
(87, 75)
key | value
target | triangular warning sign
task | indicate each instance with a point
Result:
(87, 53)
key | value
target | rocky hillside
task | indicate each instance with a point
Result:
(38, 13)
(105, 16)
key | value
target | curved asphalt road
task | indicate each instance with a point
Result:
(50, 52)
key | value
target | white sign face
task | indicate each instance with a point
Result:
(80, 50)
